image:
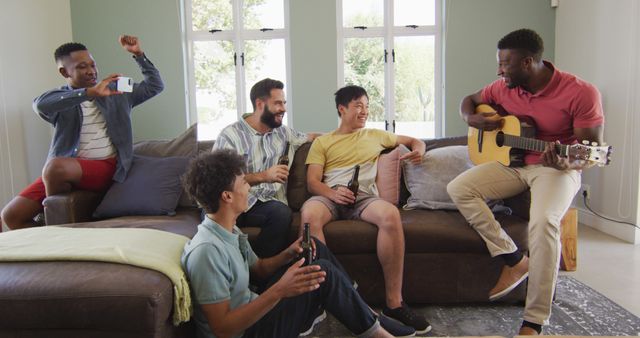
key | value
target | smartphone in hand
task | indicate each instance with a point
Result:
(124, 84)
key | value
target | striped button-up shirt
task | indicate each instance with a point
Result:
(261, 152)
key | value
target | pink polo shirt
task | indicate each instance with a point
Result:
(566, 102)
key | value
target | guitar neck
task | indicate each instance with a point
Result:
(532, 144)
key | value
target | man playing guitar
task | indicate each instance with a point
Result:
(565, 109)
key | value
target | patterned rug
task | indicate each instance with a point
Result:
(578, 310)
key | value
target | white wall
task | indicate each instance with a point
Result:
(30, 30)
(598, 40)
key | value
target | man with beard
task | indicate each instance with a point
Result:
(261, 138)
(92, 143)
(565, 109)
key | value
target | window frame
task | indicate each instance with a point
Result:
(388, 32)
(238, 35)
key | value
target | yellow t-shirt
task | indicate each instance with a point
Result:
(339, 153)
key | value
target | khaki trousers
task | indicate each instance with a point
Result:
(552, 191)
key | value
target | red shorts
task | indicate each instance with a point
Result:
(97, 176)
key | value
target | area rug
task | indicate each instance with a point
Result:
(578, 310)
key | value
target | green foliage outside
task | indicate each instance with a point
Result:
(364, 65)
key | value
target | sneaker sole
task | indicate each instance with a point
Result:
(509, 289)
(316, 321)
(424, 331)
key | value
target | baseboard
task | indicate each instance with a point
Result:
(624, 232)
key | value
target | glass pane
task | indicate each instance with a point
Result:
(264, 58)
(364, 66)
(215, 87)
(211, 14)
(414, 12)
(369, 13)
(263, 14)
(414, 86)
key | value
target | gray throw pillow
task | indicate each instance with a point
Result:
(427, 181)
(185, 144)
(152, 187)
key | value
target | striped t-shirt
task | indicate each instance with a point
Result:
(95, 143)
(261, 152)
(339, 153)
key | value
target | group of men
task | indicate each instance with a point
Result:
(241, 184)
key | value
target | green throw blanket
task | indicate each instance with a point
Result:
(147, 248)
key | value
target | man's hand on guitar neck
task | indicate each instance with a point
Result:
(550, 158)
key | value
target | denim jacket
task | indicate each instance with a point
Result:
(61, 108)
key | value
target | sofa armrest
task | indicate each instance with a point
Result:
(520, 204)
(73, 207)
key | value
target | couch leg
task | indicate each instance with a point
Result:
(569, 240)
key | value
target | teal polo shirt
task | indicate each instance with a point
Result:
(217, 263)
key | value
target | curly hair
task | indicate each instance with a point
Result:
(210, 174)
(347, 94)
(526, 41)
(262, 89)
(66, 50)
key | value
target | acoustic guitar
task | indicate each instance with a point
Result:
(508, 143)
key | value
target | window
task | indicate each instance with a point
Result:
(232, 44)
(392, 48)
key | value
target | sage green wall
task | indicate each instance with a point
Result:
(98, 23)
(472, 31)
(314, 64)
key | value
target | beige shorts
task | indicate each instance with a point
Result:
(339, 211)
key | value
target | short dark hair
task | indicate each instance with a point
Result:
(526, 41)
(66, 50)
(347, 94)
(210, 174)
(262, 89)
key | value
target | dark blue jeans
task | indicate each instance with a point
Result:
(274, 220)
(336, 294)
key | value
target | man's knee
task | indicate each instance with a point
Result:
(386, 215)
(54, 169)
(281, 213)
(456, 189)
(314, 212)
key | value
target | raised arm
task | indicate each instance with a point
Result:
(152, 84)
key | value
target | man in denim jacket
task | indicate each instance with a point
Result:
(93, 139)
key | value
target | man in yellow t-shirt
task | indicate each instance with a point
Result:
(331, 162)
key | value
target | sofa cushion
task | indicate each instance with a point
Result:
(99, 296)
(152, 187)
(297, 192)
(425, 231)
(184, 144)
(427, 181)
(388, 175)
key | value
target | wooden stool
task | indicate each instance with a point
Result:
(569, 240)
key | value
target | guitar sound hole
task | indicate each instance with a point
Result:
(500, 139)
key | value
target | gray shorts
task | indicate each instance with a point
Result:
(339, 211)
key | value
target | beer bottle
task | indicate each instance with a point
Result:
(284, 159)
(307, 247)
(353, 184)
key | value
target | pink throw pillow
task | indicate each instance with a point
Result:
(388, 176)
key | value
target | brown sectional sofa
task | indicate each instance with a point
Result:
(445, 262)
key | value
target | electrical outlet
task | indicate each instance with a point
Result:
(586, 189)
